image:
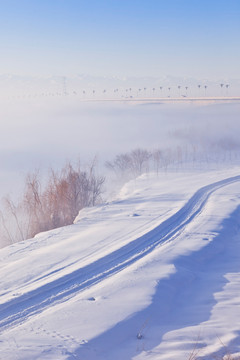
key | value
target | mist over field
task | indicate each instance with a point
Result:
(44, 133)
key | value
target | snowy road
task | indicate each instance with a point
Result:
(23, 306)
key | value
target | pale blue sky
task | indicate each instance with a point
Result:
(192, 38)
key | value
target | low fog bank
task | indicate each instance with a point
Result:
(127, 139)
(48, 132)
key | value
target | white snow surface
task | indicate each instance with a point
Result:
(153, 274)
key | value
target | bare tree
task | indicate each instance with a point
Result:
(221, 85)
(120, 165)
(139, 161)
(227, 86)
(13, 209)
(157, 159)
(205, 87)
(179, 89)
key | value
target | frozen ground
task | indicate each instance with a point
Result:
(152, 274)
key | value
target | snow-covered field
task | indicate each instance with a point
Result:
(152, 274)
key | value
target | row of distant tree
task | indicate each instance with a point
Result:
(139, 161)
(160, 91)
(144, 90)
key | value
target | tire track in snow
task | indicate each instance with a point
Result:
(18, 310)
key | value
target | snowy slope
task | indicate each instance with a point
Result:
(149, 275)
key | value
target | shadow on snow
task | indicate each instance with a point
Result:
(184, 299)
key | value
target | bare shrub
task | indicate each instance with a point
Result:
(55, 204)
